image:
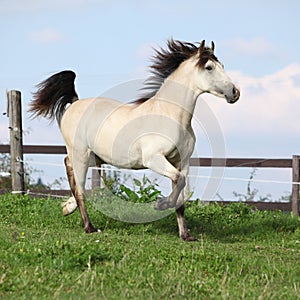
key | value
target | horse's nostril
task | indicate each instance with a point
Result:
(235, 92)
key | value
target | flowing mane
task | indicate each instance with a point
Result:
(166, 61)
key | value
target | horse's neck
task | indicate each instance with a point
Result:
(179, 97)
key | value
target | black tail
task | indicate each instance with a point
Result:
(53, 95)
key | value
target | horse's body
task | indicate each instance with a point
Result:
(154, 132)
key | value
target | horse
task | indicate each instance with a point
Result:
(153, 132)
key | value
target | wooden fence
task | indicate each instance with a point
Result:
(291, 163)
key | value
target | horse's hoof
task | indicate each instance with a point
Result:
(92, 229)
(188, 238)
(69, 206)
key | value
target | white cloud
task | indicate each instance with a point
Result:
(268, 104)
(46, 36)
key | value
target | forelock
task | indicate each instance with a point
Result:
(206, 55)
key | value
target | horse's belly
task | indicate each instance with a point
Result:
(118, 151)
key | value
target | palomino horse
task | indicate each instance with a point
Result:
(153, 132)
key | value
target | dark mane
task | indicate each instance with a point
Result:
(166, 61)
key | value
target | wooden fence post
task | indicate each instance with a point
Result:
(295, 190)
(14, 112)
(97, 178)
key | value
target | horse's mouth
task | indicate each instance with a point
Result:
(231, 100)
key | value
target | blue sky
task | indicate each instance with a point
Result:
(109, 42)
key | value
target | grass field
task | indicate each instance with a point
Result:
(241, 254)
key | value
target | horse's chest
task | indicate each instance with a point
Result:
(182, 148)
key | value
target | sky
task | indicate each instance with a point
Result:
(108, 43)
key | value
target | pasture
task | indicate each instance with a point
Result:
(240, 254)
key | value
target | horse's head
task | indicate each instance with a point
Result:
(210, 77)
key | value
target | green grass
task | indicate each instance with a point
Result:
(241, 254)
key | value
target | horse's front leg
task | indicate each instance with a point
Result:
(159, 164)
(171, 200)
(183, 230)
(180, 208)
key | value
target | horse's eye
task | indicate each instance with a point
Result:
(209, 68)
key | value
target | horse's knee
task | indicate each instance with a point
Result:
(163, 204)
(178, 185)
(180, 210)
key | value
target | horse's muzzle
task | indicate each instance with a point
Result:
(235, 95)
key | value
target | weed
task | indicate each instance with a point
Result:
(143, 190)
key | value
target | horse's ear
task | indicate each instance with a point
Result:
(201, 47)
(212, 46)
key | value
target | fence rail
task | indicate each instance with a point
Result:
(194, 161)
(37, 149)
(242, 162)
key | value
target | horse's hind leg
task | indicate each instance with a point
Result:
(70, 205)
(77, 188)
